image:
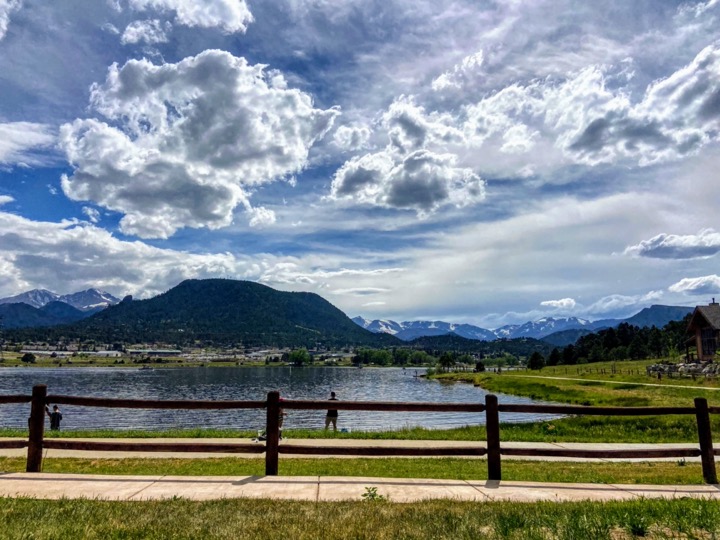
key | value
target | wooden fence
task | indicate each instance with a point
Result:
(272, 449)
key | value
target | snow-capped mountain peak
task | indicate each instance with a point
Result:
(409, 330)
(36, 298)
(91, 299)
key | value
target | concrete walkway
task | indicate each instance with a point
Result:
(324, 488)
(53, 453)
(327, 488)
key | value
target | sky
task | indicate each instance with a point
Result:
(472, 161)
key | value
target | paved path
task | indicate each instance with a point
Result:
(327, 488)
(618, 382)
(52, 453)
(324, 488)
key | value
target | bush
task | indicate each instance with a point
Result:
(28, 358)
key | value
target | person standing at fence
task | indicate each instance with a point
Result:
(55, 417)
(332, 414)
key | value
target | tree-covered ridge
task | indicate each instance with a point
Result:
(453, 342)
(624, 342)
(221, 311)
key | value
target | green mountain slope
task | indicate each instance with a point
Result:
(453, 342)
(227, 312)
(20, 315)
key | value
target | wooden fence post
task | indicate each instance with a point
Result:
(707, 454)
(492, 427)
(272, 432)
(36, 425)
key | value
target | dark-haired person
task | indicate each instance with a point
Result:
(55, 417)
(332, 414)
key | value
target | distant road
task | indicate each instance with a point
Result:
(617, 382)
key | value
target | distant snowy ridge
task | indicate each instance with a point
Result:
(409, 330)
(88, 300)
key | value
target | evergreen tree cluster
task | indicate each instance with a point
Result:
(394, 356)
(624, 342)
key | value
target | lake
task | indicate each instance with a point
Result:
(219, 383)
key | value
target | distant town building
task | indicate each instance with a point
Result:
(704, 329)
(155, 352)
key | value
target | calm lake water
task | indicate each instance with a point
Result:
(351, 384)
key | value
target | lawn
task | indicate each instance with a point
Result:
(613, 384)
(377, 520)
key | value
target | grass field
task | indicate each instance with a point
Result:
(377, 520)
(579, 429)
(614, 384)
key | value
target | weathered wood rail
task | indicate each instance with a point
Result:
(493, 448)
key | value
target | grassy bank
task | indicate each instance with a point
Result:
(620, 384)
(585, 429)
(675, 472)
(183, 519)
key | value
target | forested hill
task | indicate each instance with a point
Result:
(225, 312)
(453, 342)
(21, 315)
(624, 342)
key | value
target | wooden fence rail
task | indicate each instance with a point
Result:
(493, 448)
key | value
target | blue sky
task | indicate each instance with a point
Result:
(468, 161)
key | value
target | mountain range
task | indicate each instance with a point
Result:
(564, 329)
(219, 312)
(42, 308)
(89, 300)
(253, 313)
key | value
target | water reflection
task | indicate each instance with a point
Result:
(389, 384)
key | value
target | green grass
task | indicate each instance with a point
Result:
(648, 429)
(378, 520)
(588, 429)
(599, 389)
(666, 472)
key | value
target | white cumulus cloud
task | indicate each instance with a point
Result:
(563, 303)
(706, 243)
(415, 171)
(351, 137)
(459, 74)
(261, 216)
(228, 15)
(697, 285)
(180, 145)
(150, 32)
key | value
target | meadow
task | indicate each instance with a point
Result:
(375, 519)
